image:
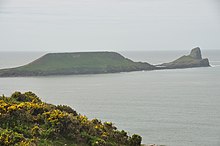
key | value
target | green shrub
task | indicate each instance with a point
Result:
(67, 109)
(8, 137)
(26, 97)
(48, 133)
(135, 140)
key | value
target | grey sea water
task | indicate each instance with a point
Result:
(172, 107)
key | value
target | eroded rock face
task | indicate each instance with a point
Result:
(196, 53)
(204, 62)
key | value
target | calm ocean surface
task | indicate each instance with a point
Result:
(172, 107)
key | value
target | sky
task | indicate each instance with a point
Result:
(108, 25)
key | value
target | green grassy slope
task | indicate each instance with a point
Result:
(27, 121)
(77, 63)
(186, 62)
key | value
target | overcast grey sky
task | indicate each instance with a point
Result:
(114, 25)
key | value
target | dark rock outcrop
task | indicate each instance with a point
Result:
(196, 53)
(194, 59)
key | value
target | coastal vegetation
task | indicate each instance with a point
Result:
(26, 120)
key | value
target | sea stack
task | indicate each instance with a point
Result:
(194, 59)
(196, 53)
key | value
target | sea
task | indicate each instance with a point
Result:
(178, 107)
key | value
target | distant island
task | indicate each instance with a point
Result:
(96, 63)
(27, 121)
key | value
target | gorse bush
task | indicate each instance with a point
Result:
(11, 138)
(26, 120)
(26, 97)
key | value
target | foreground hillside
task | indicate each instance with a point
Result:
(26, 120)
(77, 63)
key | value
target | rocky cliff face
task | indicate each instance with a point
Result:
(194, 59)
(196, 53)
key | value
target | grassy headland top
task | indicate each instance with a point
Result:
(77, 63)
